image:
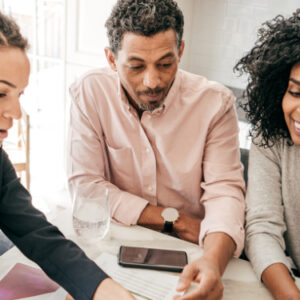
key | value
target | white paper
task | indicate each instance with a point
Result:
(143, 284)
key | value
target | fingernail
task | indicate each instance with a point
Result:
(180, 285)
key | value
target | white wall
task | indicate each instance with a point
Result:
(224, 30)
(187, 7)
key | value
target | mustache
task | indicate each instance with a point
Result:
(149, 91)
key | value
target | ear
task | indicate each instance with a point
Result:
(181, 50)
(110, 58)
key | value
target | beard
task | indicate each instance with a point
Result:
(151, 105)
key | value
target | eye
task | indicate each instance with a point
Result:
(2, 95)
(294, 94)
(139, 67)
(165, 65)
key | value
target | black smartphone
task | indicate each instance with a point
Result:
(150, 258)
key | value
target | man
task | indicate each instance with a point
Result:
(160, 138)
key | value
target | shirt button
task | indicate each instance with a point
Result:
(150, 188)
(147, 150)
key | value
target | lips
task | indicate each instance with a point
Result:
(297, 124)
(153, 97)
(3, 133)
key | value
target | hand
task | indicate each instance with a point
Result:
(207, 274)
(108, 289)
(188, 228)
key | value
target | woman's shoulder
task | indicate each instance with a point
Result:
(280, 151)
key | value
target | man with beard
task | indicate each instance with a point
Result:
(162, 140)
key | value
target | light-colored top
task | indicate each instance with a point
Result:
(273, 206)
(179, 155)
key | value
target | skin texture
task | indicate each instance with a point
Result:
(291, 104)
(14, 75)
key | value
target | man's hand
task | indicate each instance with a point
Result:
(207, 274)
(108, 289)
(188, 228)
(208, 270)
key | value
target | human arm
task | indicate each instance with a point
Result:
(265, 223)
(223, 185)
(61, 259)
(279, 281)
(222, 228)
(187, 228)
(91, 161)
(108, 289)
(207, 271)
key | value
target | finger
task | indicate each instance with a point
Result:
(187, 276)
(68, 297)
(208, 289)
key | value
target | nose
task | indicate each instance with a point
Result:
(151, 78)
(13, 110)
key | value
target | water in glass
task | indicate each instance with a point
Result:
(91, 217)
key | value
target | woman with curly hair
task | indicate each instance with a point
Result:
(272, 104)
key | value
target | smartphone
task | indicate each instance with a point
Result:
(149, 258)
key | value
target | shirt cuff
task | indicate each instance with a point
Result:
(128, 208)
(224, 215)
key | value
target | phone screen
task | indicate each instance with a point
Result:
(160, 259)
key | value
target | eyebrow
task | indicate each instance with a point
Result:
(141, 60)
(8, 83)
(295, 81)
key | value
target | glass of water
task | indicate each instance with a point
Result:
(91, 214)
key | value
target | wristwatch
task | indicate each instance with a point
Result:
(170, 215)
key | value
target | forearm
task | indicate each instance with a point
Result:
(151, 217)
(186, 227)
(219, 248)
(279, 281)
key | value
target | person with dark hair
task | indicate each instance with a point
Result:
(28, 228)
(272, 103)
(163, 141)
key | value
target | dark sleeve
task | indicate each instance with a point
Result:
(61, 259)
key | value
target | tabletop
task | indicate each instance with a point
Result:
(239, 279)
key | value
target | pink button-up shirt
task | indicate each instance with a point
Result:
(182, 154)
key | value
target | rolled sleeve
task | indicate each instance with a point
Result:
(223, 185)
(224, 215)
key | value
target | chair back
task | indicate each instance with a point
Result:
(244, 160)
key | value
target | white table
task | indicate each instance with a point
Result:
(239, 279)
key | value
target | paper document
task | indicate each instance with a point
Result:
(143, 284)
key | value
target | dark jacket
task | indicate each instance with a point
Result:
(62, 260)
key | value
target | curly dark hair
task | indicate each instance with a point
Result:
(144, 17)
(269, 65)
(10, 35)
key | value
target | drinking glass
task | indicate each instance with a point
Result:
(91, 214)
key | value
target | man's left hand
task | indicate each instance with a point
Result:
(207, 274)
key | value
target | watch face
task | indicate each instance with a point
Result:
(170, 214)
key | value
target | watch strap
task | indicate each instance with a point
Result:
(168, 227)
